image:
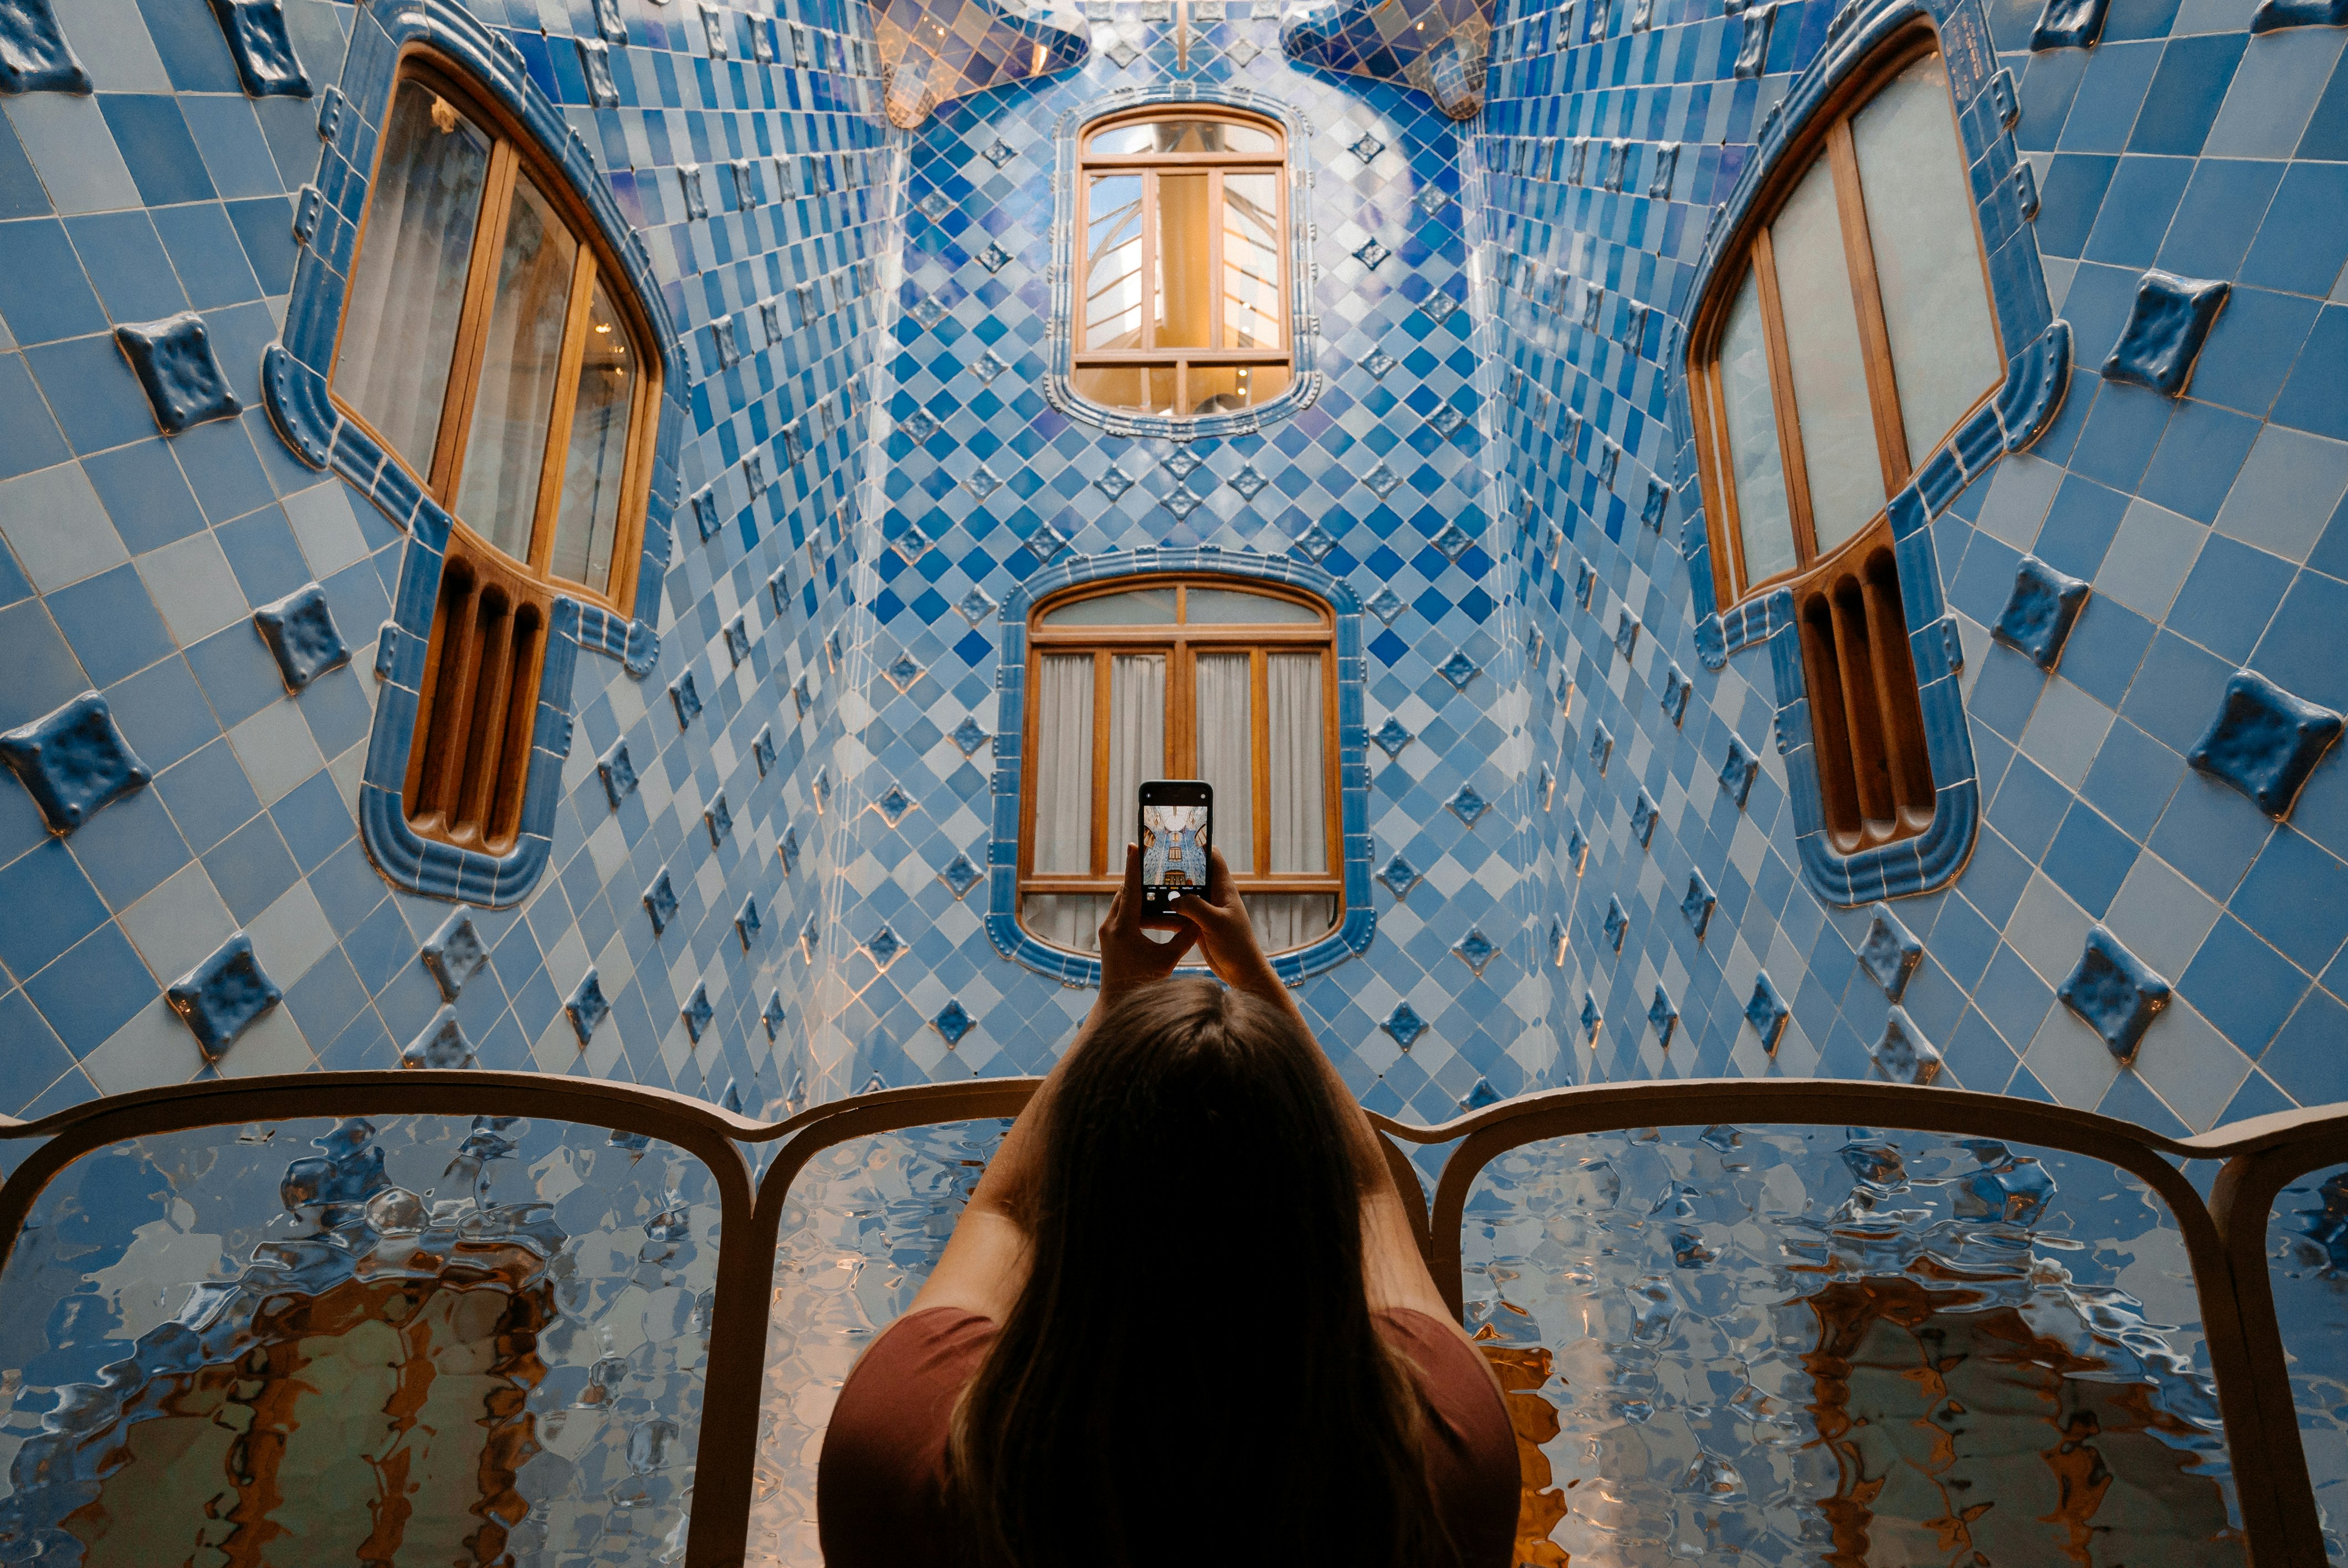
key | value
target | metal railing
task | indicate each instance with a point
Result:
(2225, 1236)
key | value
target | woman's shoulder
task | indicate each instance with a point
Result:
(880, 1485)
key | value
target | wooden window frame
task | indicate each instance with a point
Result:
(1149, 166)
(1181, 642)
(1750, 248)
(514, 151)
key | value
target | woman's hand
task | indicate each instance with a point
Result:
(1129, 956)
(1227, 939)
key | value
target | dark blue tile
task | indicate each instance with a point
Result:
(2176, 692)
(265, 225)
(2228, 596)
(90, 389)
(2243, 985)
(2124, 425)
(125, 260)
(2303, 243)
(326, 998)
(2013, 998)
(128, 848)
(42, 674)
(2316, 397)
(48, 905)
(93, 990)
(2030, 806)
(262, 551)
(2291, 898)
(2080, 524)
(2007, 690)
(112, 624)
(2209, 832)
(2330, 556)
(21, 192)
(154, 142)
(2251, 349)
(188, 36)
(314, 821)
(2327, 129)
(2305, 1059)
(2257, 1096)
(2198, 459)
(235, 151)
(251, 869)
(44, 294)
(348, 886)
(219, 461)
(2049, 83)
(2089, 859)
(2106, 649)
(337, 709)
(208, 794)
(2105, 110)
(2220, 216)
(2186, 91)
(162, 712)
(13, 584)
(205, 250)
(2137, 207)
(29, 438)
(2301, 651)
(146, 494)
(31, 1055)
(2132, 779)
(2069, 199)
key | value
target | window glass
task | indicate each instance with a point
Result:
(1145, 389)
(1919, 217)
(1252, 313)
(1760, 470)
(592, 474)
(1181, 314)
(1139, 606)
(1225, 684)
(513, 406)
(1064, 765)
(399, 335)
(1230, 607)
(1298, 814)
(1113, 280)
(1838, 421)
(1182, 135)
(1218, 388)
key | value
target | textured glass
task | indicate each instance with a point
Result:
(416, 1340)
(1233, 607)
(1838, 420)
(1182, 135)
(1139, 606)
(2307, 1264)
(595, 465)
(1754, 457)
(865, 1225)
(1220, 388)
(1181, 314)
(399, 330)
(1113, 273)
(521, 359)
(1796, 1345)
(1920, 216)
(1250, 261)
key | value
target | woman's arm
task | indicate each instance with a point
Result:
(986, 1262)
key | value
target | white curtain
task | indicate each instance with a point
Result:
(1227, 754)
(1064, 780)
(521, 359)
(1298, 788)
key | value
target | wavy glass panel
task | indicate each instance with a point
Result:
(413, 1341)
(1838, 420)
(521, 359)
(866, 1223)
(2307, 1264)
(594, 469)
(1792, 1345)
(1763, 515)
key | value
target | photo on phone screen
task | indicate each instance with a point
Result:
(1177, 832)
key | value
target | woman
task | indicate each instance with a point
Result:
(1182, 1320)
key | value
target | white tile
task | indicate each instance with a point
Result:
(2066, 732)
(329, 535)
(2287, 488)
(274, 1044)
(291, 935)
(2274, 90)
(110, 37)
(2195, 1070)
(2071, 1060)
(73, 150)
(277, 749)
(153, 1049)
(2048, 929)
(58, 528)
(180, 924)
(2020, 493)
(193, 588)
(2160, 916)
(2149, 556)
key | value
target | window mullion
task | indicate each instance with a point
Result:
(1874, 336)
(1182, 712)
(473, 324)
(1781, 396)
(1333, 791)
(1100, 762)
(566, 403)
(1259, 775)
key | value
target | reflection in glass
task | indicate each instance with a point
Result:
(1146, 389)
(1233, 607)
(2307, 1266)
(1761, 515)
(864, 1228)
(410, 1340)
(1220, 388)
(1135, 607)
(392, 362)
(1182, 135)
(1252, 312)
(1809, 1343)
(1113, 276)
(593, 470)
(1838, 421)
(1182, 312)
(514, 402)
(1920, 219)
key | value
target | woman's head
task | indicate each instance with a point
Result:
(1191, 1371)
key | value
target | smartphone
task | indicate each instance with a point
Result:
(1177, 820)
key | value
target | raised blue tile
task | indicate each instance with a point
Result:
(1590, 1018)
(1677, 690)
(892, 803)
(1475, 949)
(1696, 904)
(1404, 1024)
(2115, 993)
(884, 947)
(175, 364)
(34, 57)
(2040, 612)
(261, 47)
(454, 953)
(1601, 746)
(74, 761)
(220, 998)
(441, 1043)
(617, 772)
(1901, 1053)
(2069, 24)
(301, 635)
(585, 1005)
(698, 1013)
(1468, 804)
(2272, 16)
(1459, 669)
(961, 876)
(771, 1015)
(660, 902)
(1665, 1017)
(1391, 737)
(2170, 319)
(1738, 770)
(718, 820)
(1766, 1011)
(686, 698)
(1890, 952)
(2263, 741)
(1617, 924)
(745, 922)
(1399, 875)
(953, 1021)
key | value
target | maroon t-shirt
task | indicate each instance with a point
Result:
(880, 1485)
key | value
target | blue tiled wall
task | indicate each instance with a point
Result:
(2209, 525)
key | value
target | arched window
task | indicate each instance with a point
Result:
(1229, 680)
(1181, 265)
(490, 344)
(1853, 337)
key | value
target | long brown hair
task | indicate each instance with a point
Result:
(1191, 1373)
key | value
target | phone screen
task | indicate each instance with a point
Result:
(1177, 819)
